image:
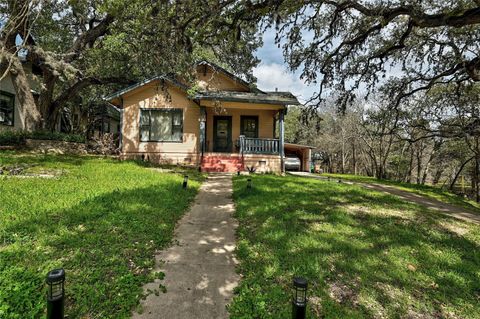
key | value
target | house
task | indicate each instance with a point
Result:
(225, 125)
(11, 116)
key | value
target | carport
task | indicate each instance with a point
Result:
(303, 152)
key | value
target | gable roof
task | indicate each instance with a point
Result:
(219, 69)
(254, 96)
(142, 83)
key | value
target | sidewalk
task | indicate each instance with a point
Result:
(200, 267)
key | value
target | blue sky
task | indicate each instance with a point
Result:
(272, 72)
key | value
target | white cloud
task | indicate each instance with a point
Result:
(274, 75)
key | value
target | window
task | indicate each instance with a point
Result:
(161, 125)
(249, 126)
(7, 106)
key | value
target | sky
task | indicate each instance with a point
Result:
(272, 72)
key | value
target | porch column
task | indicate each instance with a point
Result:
(282, 140)
(203, 120)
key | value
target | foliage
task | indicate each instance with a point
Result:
(105, 144)
(112, 43)
(397, 46)
(11, 138)
(100, 219)
(18, 137)
(365, 254)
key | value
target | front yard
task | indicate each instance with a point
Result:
(365, 254)
(100, 219)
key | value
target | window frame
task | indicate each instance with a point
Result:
(249, 117)
(169, 111)
(11, 95)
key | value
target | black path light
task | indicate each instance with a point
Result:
(56, 294)
(249, 183)
(185, 181)
(299, 300)
(339, 180)
(328, 178)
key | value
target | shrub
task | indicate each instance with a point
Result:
(55, 136)
(11, 138)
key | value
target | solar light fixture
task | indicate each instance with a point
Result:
(55, 293)
(185, 181)
(299, 298)
(339, 180)
(238, 173)
(249, 183)
(328, 178)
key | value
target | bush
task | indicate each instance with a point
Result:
(55, 136)
(10, 138)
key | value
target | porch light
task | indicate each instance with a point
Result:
(249, 183)
(299, 298)
(55, 293)
(185, 181)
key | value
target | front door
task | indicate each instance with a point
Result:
(222, 134)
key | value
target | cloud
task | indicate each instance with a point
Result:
(275, 75)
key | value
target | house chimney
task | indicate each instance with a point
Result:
(276, 89)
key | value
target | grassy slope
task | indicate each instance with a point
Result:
(102, 220)
(425, 190)
(365, 254)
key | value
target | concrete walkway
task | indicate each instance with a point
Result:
(445, 208)
(200, 268)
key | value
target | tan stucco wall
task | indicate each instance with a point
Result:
(212, 80)
(170, 152)
(265, 121)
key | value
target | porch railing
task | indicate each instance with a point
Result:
(250, 145)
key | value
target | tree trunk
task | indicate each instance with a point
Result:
(454, 181)
(29, 113)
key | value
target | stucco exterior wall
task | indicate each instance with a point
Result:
(151, 96)
(211, 80)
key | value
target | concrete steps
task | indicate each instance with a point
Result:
(222, 163)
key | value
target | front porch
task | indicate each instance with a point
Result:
(237, 136)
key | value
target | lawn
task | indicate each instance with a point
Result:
(365, 254)
(425, 190)
(100, 219)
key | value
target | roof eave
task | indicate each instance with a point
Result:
(246, 100)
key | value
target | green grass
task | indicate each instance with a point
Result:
(100, 219)
(365, 254)
(425, 190)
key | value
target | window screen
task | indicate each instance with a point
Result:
(161, 125)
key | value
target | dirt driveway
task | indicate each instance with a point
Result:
(451, 210)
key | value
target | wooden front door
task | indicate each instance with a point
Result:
(222, 134)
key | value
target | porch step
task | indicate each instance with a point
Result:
(220, 163)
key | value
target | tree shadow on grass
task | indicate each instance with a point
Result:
(387, 257)
(106, 245)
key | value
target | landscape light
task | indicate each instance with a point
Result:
(56, 294)
(249, 183)
(185, 181)
(299, 298)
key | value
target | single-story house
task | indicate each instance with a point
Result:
(224, 125)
